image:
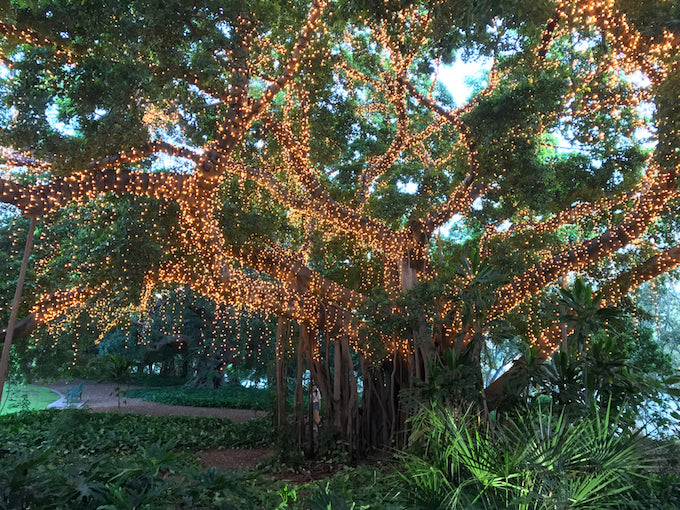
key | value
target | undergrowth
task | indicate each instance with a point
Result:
(232, 396)
(79, 460)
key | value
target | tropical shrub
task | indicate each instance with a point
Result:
(535, 461)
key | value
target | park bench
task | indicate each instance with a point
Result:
(74, 394)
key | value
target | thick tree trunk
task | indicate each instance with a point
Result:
(377, 410)
(336, 382)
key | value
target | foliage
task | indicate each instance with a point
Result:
(15, 374)
(232, 396)
(76, 459)
(609, 359)
(661, 302)
(536, 460)
(364, 486)
(121, 433)
(661, 492)
(450, 382)
(13, 232)
(155, 381)
(116, 369)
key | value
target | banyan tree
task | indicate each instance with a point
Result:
(316, 169)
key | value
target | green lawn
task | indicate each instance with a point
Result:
(18, 397)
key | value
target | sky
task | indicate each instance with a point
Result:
(456, 76)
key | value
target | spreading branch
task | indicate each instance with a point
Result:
(633, 225)
(46, 198)
(324, 207)
(644, 272)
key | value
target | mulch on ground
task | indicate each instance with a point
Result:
(230, 459)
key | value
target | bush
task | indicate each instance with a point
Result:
(537, 461)
(231, 396)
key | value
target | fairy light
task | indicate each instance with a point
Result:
(233, 275)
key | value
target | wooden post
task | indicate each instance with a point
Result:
(9, 334)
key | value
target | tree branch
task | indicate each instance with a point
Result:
(649, 269)
(233, 287)
(291, 271)
(461, 200)
(42, 199)
(634, 224)
(328, 209)
(246, 110)
(461, 196)
(15, 158)
(564, 217)
(142, 152)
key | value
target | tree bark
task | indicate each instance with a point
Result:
(281, 370)
(9, 333)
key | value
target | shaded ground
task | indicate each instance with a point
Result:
(235, 459)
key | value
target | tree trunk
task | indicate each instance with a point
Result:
(9, 334)
(298, 395)
(281, 370)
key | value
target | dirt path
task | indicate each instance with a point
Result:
(101, 398)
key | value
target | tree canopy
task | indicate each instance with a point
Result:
(304, 161)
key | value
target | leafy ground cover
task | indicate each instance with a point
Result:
(79, 460)
(232, 396)
(76, 459)
(122, 433)
(25, 397)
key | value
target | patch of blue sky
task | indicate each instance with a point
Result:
(8, 211)
(409, 187)
(69, 128)
(210, 100)
(164, 162)
(459, 76)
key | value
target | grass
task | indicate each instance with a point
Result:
(25, 397)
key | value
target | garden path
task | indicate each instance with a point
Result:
(101, 398)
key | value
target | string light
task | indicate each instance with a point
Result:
(277, 279)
